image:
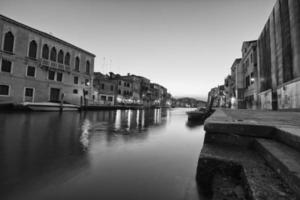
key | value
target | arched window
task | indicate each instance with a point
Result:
(45, 53)
(53, 54)
(32, 49)
(87, 67)
(67, 59)
(77, 61)
(60, 57)
(9, 42)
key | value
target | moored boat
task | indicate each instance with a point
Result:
(198, 115)
(49, 106)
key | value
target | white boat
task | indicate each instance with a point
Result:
(49, 106)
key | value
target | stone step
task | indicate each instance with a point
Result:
(289, 136)
(284, 159)
(260, 182)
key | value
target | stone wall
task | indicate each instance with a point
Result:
(289, 95)
(265, 100)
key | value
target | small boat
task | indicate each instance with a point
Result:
(199, 114)
(49, 106)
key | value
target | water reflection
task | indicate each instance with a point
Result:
(114, 147)
(32, 143)
(84, 138)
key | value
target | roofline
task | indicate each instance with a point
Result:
(9, 20)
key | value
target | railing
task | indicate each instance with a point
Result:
(45, 62)
(54, 65)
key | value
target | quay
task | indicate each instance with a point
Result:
(251, 154)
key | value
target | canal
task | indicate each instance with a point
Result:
(123, 154)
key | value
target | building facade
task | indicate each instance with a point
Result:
(124, 95)
(237, 101)
(105, 89)
(279, 58)
(229, 91)
(38, 67)
(250, 76)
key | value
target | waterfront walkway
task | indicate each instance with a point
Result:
(263, 147)
(271, 118)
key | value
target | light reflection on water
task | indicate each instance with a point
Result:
(123, 154)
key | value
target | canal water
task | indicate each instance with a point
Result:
(123, 154)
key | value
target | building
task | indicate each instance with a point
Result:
(125, 90)
(135, 82)
(229, 91)
(145, 92)
(279, 58)
(158, 95)
(38, 67)
(217, 97)
(249, 74)
(105, 89)
(237, 85)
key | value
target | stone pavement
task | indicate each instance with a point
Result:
(271, 118)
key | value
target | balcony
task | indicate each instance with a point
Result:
(61, 67)
(47, 64)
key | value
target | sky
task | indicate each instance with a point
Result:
(188, 46)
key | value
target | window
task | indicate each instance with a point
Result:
(51, 75)
(119, 91)
(76, 79)
(67, 59)
(9, 42)
(75, 91)
(59, 77)
(87, 82)
(32, 49)
(111, 87)
(103, 98)
(28, 92)
(87, 67)
(252, 79)
(120, 83)
(45, 53)
(110, 99)
(53, 54)
(6, 66)
(4, 90)
(77, 62)
(247, 81)
(60, 57)
(102, 86)
(30, 71)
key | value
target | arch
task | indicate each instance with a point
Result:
(77, 62)
(8, 42)
(87, 67)
(67, 58)
(45, 52)
(60, 57)
(53, 54)
(32, 49)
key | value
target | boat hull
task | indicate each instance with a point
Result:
(197, 116)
